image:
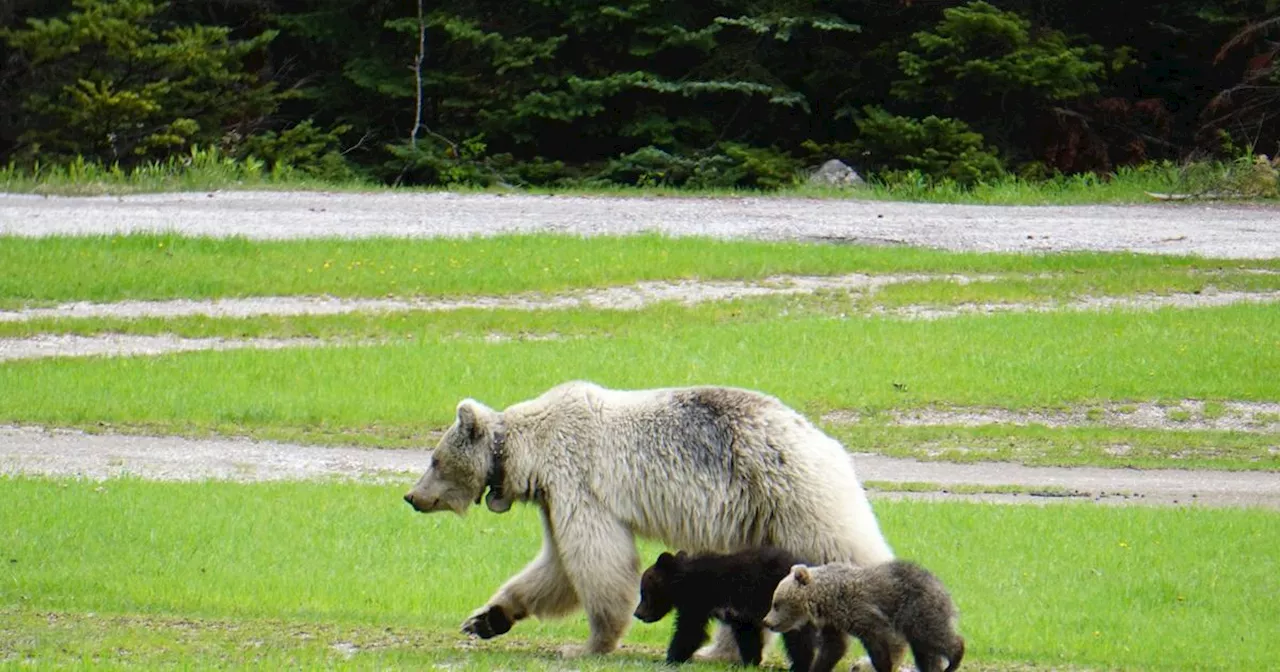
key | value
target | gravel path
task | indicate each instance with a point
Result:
(26, 450)
(1211, 230)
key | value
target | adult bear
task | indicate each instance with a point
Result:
(701, 468)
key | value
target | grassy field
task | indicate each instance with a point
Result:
(41, 271)
(409, 387)
(153, 573)
(128, 573)
(820, 352)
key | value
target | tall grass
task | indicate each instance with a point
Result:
(197, 169)
(204, 169)
(1096, 587)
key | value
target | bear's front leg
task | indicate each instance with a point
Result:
(832, 646)
(540, 589)
(598, 554)
(690, 633)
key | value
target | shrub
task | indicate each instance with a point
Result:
(937, 148)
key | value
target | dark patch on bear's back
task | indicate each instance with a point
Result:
(733, 404)
(706, 422)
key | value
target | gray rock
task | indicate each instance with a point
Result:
(835, 173)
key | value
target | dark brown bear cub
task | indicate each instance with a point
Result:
(736, 589)
(889, 607)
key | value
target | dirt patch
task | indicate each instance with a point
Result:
(71, 453)
(1107, 486)
(1187, 414)
(1139, 302)
(125, 345)
(1219, 230)
(630, 297)
(59, 452)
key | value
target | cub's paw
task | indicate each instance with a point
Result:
(487, 622)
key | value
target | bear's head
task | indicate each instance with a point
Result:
(791, 601)
(658, 587)
(462, 463)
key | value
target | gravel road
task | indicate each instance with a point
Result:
(1211, 230)
(59, 452)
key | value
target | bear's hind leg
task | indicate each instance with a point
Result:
(598, 555)
(956, 654)
(885, 648)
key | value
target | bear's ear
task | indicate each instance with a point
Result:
(666, 562)
(469, 422)
(801, 574)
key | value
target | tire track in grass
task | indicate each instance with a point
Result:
(72, 453)
(1181, 415)
(627, 297)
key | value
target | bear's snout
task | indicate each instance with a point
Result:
(408, 497)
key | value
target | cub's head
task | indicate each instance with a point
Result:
(791, 608)
(456, 476)
(657, 587)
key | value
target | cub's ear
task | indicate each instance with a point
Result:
(470, 421)
(666, 561)
(801, 574)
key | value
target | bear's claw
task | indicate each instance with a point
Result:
(488, 623)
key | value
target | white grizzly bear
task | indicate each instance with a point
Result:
(701, 469)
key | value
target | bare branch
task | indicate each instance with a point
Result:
(417, 77)
(1245, 35)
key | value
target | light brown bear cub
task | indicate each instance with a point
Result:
(888, 607)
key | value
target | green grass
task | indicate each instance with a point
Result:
(142, 266)
(817, 364)
(216, 573)
(400, 392)
(1117, 280)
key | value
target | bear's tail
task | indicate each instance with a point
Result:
(956, 654)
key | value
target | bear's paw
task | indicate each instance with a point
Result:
(488, 622)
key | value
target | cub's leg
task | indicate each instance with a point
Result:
(691, 631)
(800, 645)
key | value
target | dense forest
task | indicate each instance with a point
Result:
(555, 92)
